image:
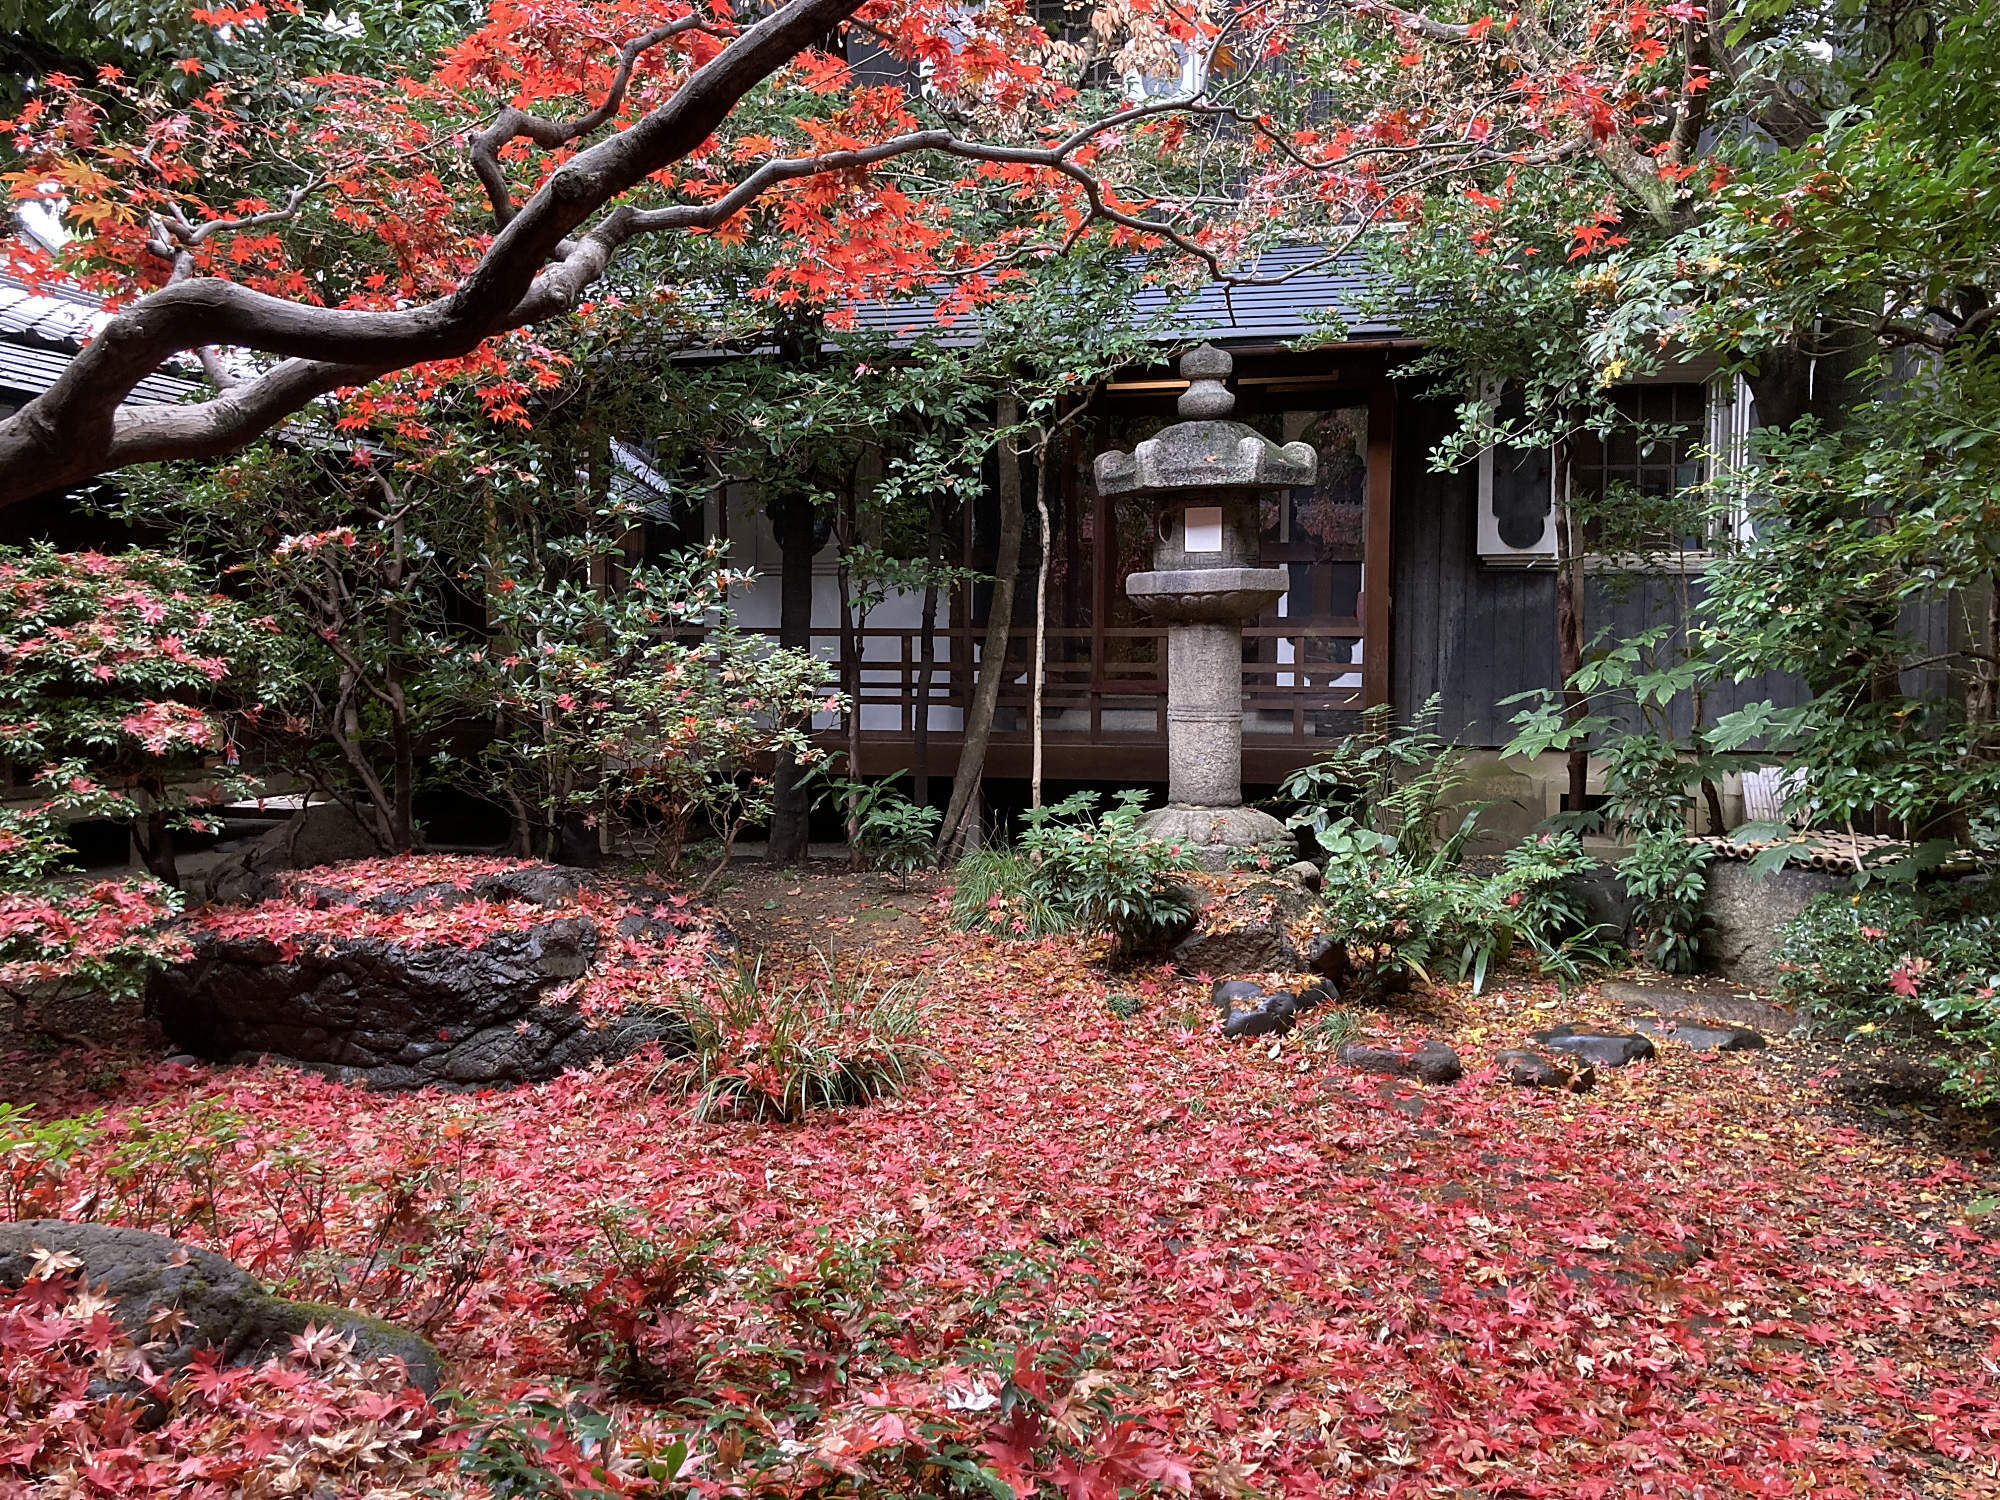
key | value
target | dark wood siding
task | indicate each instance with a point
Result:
(1626, 604)
(1472, 635)
(1476, 635)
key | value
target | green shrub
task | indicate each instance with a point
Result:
(1106, 870)
(893, 834)
(779, 1052)
(1377, 805)
(1892, 950)
(1401, 918)
(1666, 877)
(1077, 870)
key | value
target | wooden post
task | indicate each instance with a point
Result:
(1378, 538)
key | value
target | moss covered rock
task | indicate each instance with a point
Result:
(222, 1305)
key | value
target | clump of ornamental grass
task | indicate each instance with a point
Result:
(767, 1051)
(1328, 1028)
(994, 890)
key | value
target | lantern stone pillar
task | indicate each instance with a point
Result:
(1207, 478)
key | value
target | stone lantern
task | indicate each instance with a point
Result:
(1207, 478)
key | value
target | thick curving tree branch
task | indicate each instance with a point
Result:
(76, 430)
(535, 269)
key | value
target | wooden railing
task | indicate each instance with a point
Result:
(1105, 686)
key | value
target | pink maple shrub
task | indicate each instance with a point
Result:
(112, 676)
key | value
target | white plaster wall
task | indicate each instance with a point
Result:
(753, 546)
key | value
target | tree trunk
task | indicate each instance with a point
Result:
(1041, 613)
(792, 520)
(402, 817)
(156, 847)
(993, 654)
(850, 676)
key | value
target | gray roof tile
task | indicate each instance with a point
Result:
(1282, 309)
(40, 334)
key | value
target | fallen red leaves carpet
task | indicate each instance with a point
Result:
(1688, 1283)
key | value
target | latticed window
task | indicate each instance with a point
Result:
(1637, 479)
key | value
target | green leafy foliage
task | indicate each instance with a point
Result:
(648, 703)
(1401, 919)
(1891, 950)
(1078, 870)
(1855, 248)
(1397, 892)
(995, 890)
(1666, 877)
(893, 834)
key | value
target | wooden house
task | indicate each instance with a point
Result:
(1408, 582)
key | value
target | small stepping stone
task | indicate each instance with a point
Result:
(1228, 992)
(1251, 1010)
(1606, 1049)
(1425, 1061)
(1710, 1001)
(1319, 992)
(1702, 1036)
(1536, 1070)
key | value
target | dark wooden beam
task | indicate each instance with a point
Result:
(1375, 565)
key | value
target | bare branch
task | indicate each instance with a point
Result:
(1908, 331)
(1691, 112)
(1413, 20)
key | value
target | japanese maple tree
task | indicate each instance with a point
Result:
(109, 697)
(345, 227)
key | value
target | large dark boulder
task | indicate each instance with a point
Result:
(1247, 930)
(1425, 1059)
(459, 982)
(222, 1306)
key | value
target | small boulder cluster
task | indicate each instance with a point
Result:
(1249, 1009)
(1260, 927)
(1565, 1057)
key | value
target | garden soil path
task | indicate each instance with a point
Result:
(1701, 1279)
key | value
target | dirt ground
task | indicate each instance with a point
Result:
(822, 904)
